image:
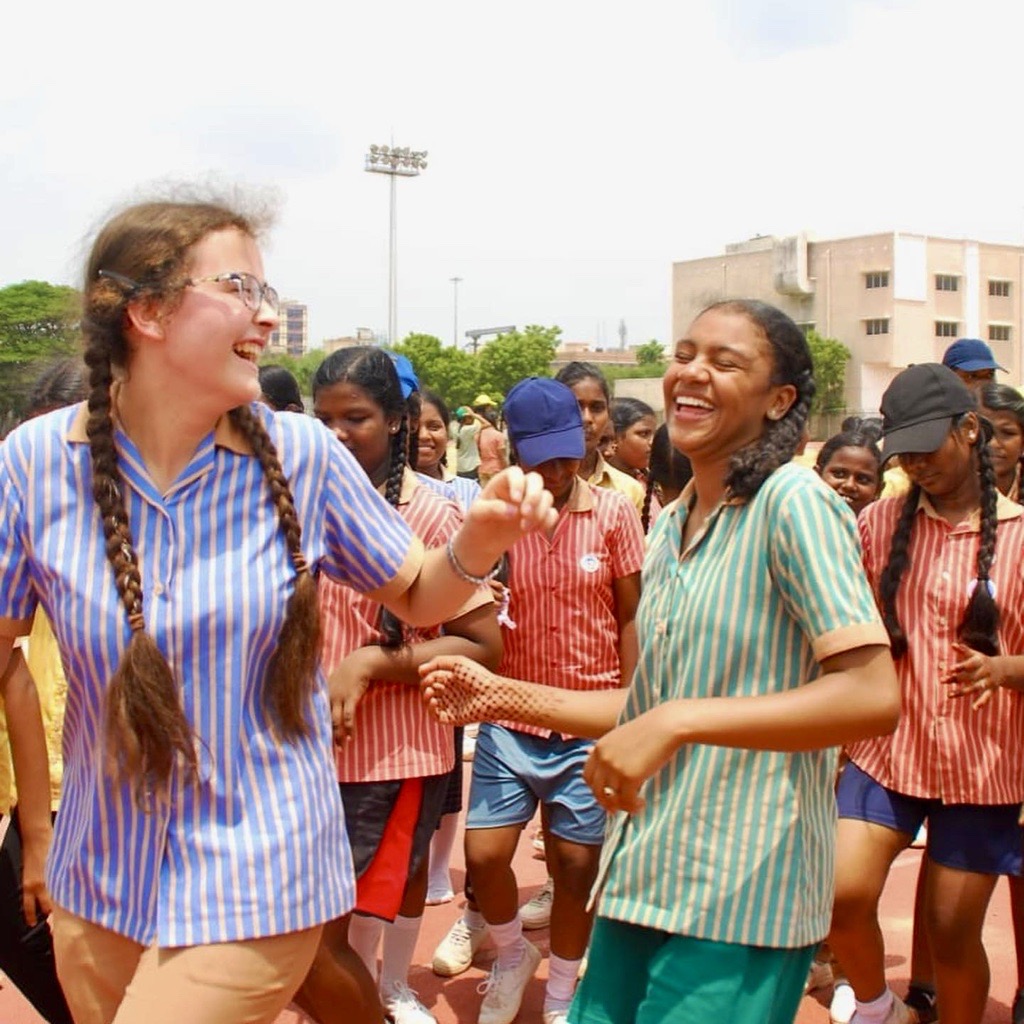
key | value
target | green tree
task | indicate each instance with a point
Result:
(651, 353)
(830, 358)
(38, 323)
(510, 357)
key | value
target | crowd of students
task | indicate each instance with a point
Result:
(272, 633)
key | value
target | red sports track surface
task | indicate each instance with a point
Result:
(456, 999)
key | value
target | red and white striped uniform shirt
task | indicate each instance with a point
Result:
(395, 736)
(941, 749)
(562, 597)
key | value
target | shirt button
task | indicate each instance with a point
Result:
(158, 589)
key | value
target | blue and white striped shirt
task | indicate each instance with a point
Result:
(257, 845)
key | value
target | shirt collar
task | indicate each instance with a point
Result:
(1005, 509)
(225, 433)
(580, 497)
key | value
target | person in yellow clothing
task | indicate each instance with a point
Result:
(26, 948)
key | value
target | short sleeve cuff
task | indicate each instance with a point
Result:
(403, 578)
(849, 638)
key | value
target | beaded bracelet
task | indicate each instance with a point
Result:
(459, 569)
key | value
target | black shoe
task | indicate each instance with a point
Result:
(923, 1002)
(1017, 1013)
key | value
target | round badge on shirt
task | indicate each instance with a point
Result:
(590, 563)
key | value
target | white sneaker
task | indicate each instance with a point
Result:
(843, 1005)
(503, 990)
(819, 976)
(403, 1007)
(536, 913)
(556, 1017)
(455, 952)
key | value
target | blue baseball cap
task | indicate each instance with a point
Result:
(406, 374)
(969, 354)
(544, 421)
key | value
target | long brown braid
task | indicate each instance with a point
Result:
(292, 668)
(142, 255)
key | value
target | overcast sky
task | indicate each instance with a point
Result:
(575, 148)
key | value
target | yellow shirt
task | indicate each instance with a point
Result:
(44, 663)
(615, 480)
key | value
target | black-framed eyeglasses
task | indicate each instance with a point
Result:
(249, 288)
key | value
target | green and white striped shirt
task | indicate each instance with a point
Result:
(738, 845)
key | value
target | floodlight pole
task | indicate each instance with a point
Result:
(394, 161)
(455, 327)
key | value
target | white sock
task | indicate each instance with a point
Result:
(364, 937)
(439, 880)
(399, 945)
(508, 938)
(875, 1010)
(473, 918)
(561, 982)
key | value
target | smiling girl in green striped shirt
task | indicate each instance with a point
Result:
(760, 652)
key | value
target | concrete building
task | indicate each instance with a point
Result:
(363, 336)
(291, 336)
(893, 299)
(571, 351)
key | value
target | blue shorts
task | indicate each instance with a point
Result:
(983, 838)
(513, 771)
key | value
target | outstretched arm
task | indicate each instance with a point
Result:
(512, 504)
(460, 691)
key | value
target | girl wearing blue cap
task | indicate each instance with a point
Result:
(573, 598)
(760, 650)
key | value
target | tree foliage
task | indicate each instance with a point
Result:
(650, 353)
(830, 358)
(449, 371)
(38, 324)
(510, 357)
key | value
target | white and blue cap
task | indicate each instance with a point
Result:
(544, 421)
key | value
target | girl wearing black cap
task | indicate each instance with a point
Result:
(945, 563)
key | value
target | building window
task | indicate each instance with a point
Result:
(877, 279)
(998, 332)
(947, 283)
(947, 329)
(880, 325)
(1000, 289)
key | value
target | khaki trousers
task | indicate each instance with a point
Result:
(109, 979)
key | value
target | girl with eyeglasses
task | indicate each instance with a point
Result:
(172, 528)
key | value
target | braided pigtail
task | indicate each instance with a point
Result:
(144, 721)
(776, 446)
(645, 512)
(892, 574)
(291, 673)
(980, 626)
(390, 625)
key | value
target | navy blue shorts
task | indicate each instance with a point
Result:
(983, 838)
(514, 771)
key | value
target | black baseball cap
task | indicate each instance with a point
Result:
(918, 408)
